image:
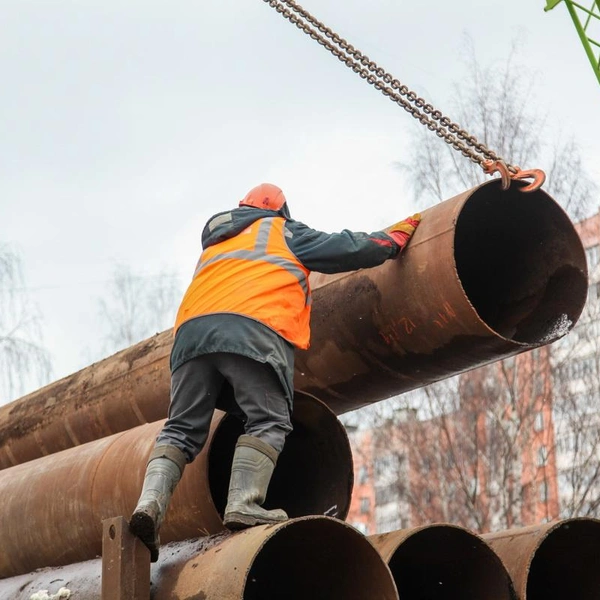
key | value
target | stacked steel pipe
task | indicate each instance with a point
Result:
(552, 561)
(443, 561)
(68, 495)
(488, 274)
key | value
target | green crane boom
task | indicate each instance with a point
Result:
(586, 20)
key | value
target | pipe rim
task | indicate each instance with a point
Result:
(342, 559)
(314, 473)
(565, 563)
(560, 266)
(427, 557)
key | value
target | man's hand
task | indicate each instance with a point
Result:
(402, 232)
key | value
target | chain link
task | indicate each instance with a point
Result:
(387, 84)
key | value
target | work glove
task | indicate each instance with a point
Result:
(402, 231)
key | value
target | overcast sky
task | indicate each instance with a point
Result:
(125, 125)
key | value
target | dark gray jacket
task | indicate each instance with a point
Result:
(316, 250)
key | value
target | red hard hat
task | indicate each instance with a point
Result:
(267, 196)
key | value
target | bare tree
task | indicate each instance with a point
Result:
(486, 450)
(137, 306)
(23, 358)
(576, 393)
(467, 450)
(496, 104)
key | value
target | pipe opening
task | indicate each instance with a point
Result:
(314, 473)
(448, 563)
(319, 559)
(567, 563)
(521, 263)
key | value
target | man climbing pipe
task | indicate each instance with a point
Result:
(245, 311)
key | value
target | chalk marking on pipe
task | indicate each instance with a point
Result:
(62, 594)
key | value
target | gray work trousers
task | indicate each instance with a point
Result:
(196, 385)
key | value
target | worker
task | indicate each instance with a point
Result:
(240, 320)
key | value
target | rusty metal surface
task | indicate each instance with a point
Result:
(53, 507)
(489, 273)
(117, 393)
(553, 561)
(125, 563)
(311, 557)
(443, 562)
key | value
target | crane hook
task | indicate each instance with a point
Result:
(538, 176)
(499, 166)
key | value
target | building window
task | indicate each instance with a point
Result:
(363, 475)
(539, 421)
(578, 369)
(365, 505)
(543, 489)
(387, 494)
(566, 443)
(362, 527)
(593, 256)
(426, 464)
(542, 456)
(384, 465)
(538, 384)
(594, 292)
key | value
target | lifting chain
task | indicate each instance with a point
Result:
(391, 87)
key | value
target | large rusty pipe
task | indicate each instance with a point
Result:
(53, 507)
(443, 562)
(489, 273)
(553, 561)
(120, 392)
(311, 557)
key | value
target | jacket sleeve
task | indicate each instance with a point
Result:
(338, 252)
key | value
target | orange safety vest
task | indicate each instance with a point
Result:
(253, 274)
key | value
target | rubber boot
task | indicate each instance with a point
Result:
(251, 471)
(164, 470)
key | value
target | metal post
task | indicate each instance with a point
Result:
(125, 563)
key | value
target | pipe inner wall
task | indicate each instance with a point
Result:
(314, 474)
(567, 563)
(520, 264)
(53, 507)
(443, 562)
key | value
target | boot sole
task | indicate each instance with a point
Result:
(236, 521)
(142, 526)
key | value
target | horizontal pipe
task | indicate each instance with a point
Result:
(553, 561)
(443, 561)
(53, 507)
(122, 391)
(310, 557)
(488, 274)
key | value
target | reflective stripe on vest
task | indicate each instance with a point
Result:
(259, 252)
(253, 274)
